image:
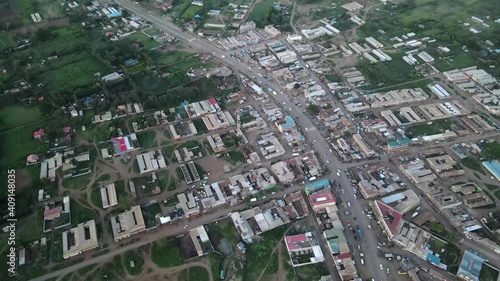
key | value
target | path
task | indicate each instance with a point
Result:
(276, 248)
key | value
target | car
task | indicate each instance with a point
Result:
(369, 227)
(186, 226)
(381, 267)
(338, 174)
(342, 190)
(348, 204)
(284, 102)
(327, 162)
(307, 129)
(314, 140)
(388, 271)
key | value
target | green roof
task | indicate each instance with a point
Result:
(399, 142)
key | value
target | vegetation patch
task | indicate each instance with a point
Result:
(147, 139)
(135, 259)
(197, 273)
(473, 164)
(166, 253)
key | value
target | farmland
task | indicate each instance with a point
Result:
(260, 10)
(172, 56)
(143, 39)
(51, 47)
(6, 40)
(71, 72)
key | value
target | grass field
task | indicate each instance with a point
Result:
(387, 73)
(180, 7)
(190, 12)
(197, 273)
(80, 213)
(147, 139)
(13, 116)
(423, 129)
(50, 47)
(491, 150)
(72, 75)
(138, 261)
(24, 9)
(473, 164)
(260, 9)
(172, 57)
(141, 38)
(166, 253)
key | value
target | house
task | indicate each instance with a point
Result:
(108, 196)
(39, 134)
(303, 246)
(79, 239)
(32, 159)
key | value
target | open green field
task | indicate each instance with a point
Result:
(50, 47)
(138, 261)
(49, 9)
(6, 40)
(147, 139)
(387, 73)
(80, 213)
(166, 253)
(171, 57)
(77, 73)
(141, 38)
(260, 9)
(473, 164)
(197, 273)
(179, 8)
(13, 116)
(491, 150)
(19, 143)
(423, 129)
(191, 11)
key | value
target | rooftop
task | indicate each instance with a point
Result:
(79, 239)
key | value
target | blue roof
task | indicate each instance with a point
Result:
(289, 123)
(393, 198)
(434, 259)
(493, 166)
(316, 185)
(398, 142)
(470, 266)
(335, 247)
(197, 16)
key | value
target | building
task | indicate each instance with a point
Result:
(493, 167)
(317, 185)
(387, 217)
(57, 214)
(39, 134)
(303, 249)
(247, 26)
(470, 266)
(108, 196)
(403, 201)
(201, 242)
(151, 161)
(127, 223)
(320, 201)
(444, 166)
(367, 151)
(79, 239)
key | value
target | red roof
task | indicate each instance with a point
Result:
(294, 242)
(344, 256)
(123, 145)
(51, 212)
(212, 101)
(66, 129)
(39, 133)
(391, 217)
(322, 198)
(41, 98)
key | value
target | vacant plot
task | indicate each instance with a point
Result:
(80, 182)
(80, 213)
(388, 73)
(424, 129)
(24, 9)
(13, 116)
(147, 139)
(180, 7)
(72, 75)
(473, 164)
(141, 38)
(171, 57)
(190, 12)
(166, 253)
(260, 9)
(491, 150)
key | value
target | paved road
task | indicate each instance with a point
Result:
(320, 145)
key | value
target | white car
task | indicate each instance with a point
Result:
(369, 227)
(348, 204)
(327, 162)
(381, 267)
(338, 174)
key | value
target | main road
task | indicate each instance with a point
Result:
(319, 144)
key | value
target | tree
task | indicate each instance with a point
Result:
(313, 108)
(437, 227)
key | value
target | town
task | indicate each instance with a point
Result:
(250, 140)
